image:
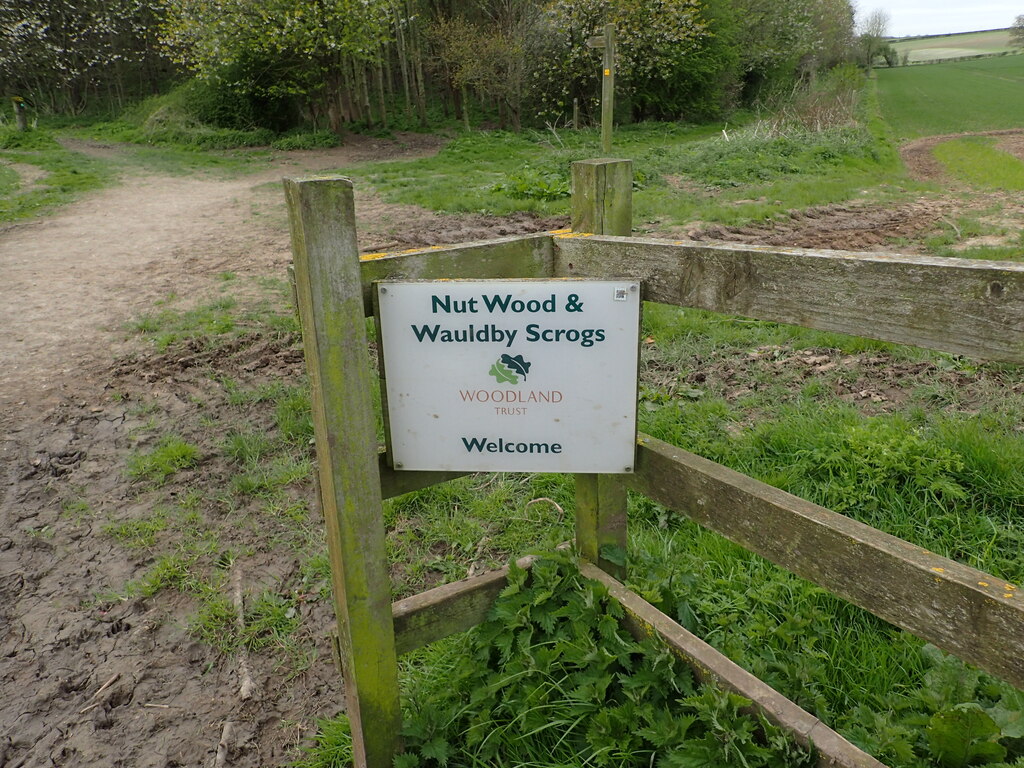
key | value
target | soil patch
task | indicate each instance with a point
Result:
(841, 227)
(895, 227)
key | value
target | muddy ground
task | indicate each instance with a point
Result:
(95, 673)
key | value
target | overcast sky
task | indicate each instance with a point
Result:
(939, 17)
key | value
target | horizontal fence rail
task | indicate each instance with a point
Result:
(643, 619)
(461, 605)
(967, 612)
(962, 306)
(524, 256)
(449, 608)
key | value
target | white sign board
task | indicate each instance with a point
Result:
(511, 375)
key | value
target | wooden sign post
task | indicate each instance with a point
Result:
(328, 286)
(606, 41)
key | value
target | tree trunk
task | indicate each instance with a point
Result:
(381, 103)
(364, 93)
(351, 103)
(403, 64)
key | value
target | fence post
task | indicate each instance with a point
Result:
(602, 197)
(601, 522)
(329, 290)
(20, 116)
(602, 204)
(608, 88)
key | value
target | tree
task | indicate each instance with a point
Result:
(1017, 31)
(492, 54)
(778, 41)
(873, 34)
(61, 54)
(833, 22)
(316, 52)
(658, 41)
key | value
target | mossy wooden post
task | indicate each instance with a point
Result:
(601, 522)
(602, 197)
(607, 43)
(329, 289)
(20, 116)
(602, 204)
(608, 88)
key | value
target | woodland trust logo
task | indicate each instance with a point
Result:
(507, 369)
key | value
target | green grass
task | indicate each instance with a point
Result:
(170, 455)
(682, 173)
(9, 180)
(975, 160)
(953, 98)
(63, 175)
(138, 533)
(208, 322)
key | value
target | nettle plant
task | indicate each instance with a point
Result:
(555, 680)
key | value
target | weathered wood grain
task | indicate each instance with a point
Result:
(967, 612)
(644, 620)
(601, 520)
(327, 279)
(511, 258)
(602, 197)
(963, 306)
(448, 609)
(608, 93)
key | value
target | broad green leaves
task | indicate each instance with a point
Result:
(556, 681)
(964, 735)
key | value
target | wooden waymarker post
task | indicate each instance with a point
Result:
(20, 116)
(606, 41)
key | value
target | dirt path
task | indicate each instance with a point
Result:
(72, 280)
(900, 226)
(88, 681)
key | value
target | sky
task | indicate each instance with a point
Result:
(939, 17)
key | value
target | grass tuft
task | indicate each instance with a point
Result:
(169, 456)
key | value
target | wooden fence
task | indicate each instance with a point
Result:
(964, 307)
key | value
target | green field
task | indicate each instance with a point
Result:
(920, 49)
(977, 95)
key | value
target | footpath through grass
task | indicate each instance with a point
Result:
(40, 174)
(42, 168)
